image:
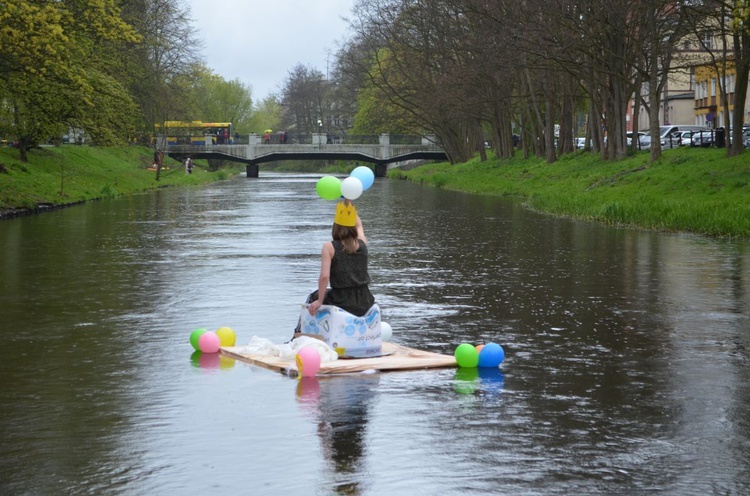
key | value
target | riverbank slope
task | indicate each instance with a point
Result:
(690, 190)
(59, 176)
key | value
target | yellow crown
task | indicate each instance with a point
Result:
(346, 215)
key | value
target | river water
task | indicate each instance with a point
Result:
(626, 367)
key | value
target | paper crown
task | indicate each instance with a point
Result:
(346, 215)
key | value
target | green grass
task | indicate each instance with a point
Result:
(691, 190)
(72, 174)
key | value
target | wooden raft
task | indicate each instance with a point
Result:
(398, 358)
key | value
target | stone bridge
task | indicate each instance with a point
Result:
(320, 148)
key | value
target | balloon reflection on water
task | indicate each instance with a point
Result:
(211, 361)
(485, 381)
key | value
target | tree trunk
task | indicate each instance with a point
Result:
(742, 66)
(549, 128)
(653, 100)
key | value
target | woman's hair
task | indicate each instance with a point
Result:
(347, 236)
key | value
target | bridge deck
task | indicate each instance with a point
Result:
(261, 153)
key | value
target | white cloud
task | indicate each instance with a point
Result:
(260, 42)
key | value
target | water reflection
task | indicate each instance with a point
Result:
(340, 407)
(211, 361)
(484, 382)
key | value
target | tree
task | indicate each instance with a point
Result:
(722, 28)
(50, 76)
(414, 57)
(266, 115)
(661, 26)
(303, 100)
(217, 100)
(160, 70)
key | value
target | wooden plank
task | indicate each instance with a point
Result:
(398, 358)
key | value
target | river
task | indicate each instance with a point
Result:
(626, 371)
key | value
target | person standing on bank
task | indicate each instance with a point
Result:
(344, 265)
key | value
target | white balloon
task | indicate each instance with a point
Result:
(386, 331)
(351, 188)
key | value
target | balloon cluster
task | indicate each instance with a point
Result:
(351, 188)
(209, 341)
(487, 355)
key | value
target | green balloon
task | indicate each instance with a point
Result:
(329, 187)
(466, 355)
(195, 336)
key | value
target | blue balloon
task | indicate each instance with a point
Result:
(364, 174)
(492, 355)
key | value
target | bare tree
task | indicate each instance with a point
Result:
(159, 68)
(720, 27)
(303, 100)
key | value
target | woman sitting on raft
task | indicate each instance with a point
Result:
(344, 265)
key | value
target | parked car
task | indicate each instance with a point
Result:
(703, 138)
(668, 134)
(640, 138)
(645, 141)
(678, 138)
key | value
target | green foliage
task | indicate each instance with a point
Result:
(692, 190)
(267, 115)
(218, 100)
(51, 75)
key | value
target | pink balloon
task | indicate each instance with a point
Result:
(308, 361)
(209, 342)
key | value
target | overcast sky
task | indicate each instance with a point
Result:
(260, 42)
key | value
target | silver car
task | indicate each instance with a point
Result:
(678, 138)
(702, 138)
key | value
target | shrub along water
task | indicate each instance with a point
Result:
(688, 189)
(64, 175)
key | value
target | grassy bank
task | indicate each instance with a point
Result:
(691, 190)
(71, 174)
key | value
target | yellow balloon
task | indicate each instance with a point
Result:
(226, 336)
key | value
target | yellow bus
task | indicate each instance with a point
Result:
(195, 132)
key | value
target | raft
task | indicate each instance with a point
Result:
(394, 357)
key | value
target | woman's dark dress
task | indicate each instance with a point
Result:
(349, 280)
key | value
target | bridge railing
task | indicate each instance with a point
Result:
(331, 138)
(328, 138)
